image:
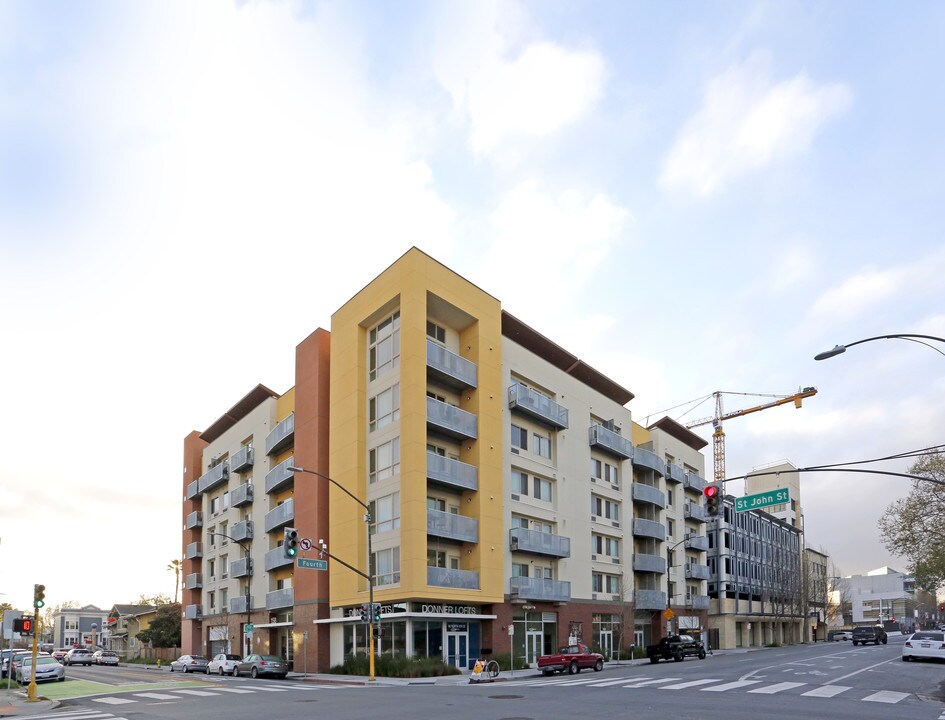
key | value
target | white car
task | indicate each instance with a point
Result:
(47, 668)
(224, 664)
(924, 644)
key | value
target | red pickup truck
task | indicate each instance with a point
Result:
(572, 658)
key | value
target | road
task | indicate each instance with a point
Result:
(832, 681)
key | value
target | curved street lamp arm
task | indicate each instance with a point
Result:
(838, 349)
(294, 469)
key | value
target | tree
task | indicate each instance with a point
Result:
(839, 606)
(156, 600)
(912, 526)
(164, 631)
(176, 566)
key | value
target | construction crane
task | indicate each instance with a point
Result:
(718, 437)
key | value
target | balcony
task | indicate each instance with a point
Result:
(610, 442)
(698, 602)
(694, 483)
(194, 550)
(694, 571)
(243, 495)
(449, 368)
(242, 459)
(282, 436)
(457, 579)
(649, 599)
(649, 460)
(525, 588)
(242, 530)
(649, 528)
(647, 494)
(643, 563)
(216, 475)
(240, 604)
(675, 473)
(452, 526)
(194, 520)
(192, 612)
(453, 474)
(697, 542)
(451, 421)
(280, 516)
(193, 489)
(242, 567)
(538, 407)
(539, 543)
(278, 599)
(695, 512)
(193, 581)
(276, 558)
(280, 476)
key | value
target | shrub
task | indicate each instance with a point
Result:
(389, 666)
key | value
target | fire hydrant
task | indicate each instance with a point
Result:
(159, 663)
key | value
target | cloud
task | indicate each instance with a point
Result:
(508, 89)
(748, 121)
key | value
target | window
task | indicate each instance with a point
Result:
(384, 408)
(519, 437)
(520, 522)
(436, 558)
(226, 500)
(223, 566)
(670, 498)
(436, 450)
(542, 489)
(384, 346)
(542, 445)
(610, 472)
(670, 528)
(224, 539)
(384, 461)
(224, 599)
(387, 566)
(436, 396)
(385, 512)
(603, 545)
(211, 599)
(605, 508)
(605, 583)
(215, 505)
(435, 332)
(519, 482)
(211, 536)
(520, 570)
(212, 568)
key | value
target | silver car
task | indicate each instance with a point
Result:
(224, 664)
(47, 668)
(190, 663)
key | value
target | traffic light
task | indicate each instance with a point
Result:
(290, 543)
(941, 608)
(713, 500)
(363, 611)
(377, 613)
(39, 596)
(24, 626)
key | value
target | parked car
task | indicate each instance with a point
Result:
(47, 668)
(190, 663)
(869, 633)
(5, 656)
(571, 658)
(224, 664)
(675, 647)
(79, 656)
(841, 635)
(256, 665)
(60, 654)
(105, 657)
(924, 644)
(15, 659)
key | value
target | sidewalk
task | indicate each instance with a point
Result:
(14, 703)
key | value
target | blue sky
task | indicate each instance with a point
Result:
(690, 196)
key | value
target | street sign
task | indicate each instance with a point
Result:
(248, 628)
(313, 564)
(669, 614)
(760, 500)
(305, 544)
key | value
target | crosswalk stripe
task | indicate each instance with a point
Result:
(690, 683)
(886, 696)
(776, 688)
(608, 683)
(197, 693)
(731, 685)
(826, 691)
(273, 687)
(232, 690)
(113, 700)
(74, 715)
(156, 696)
(644, 683)
(270, 689)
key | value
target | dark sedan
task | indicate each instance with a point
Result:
(259, 665)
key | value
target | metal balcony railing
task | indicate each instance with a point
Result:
(697, 542)
(539, 543)
(193, 489)
(649, 528)
(276, 558)
(675, 473)
(278, 599)
(648, 459)
(216, 475)
(194, 550)
(451, 421)
(610, 442)
(194, 520)
(694, 571)
(452, 473)
(525, 588)
(649, 599)
(538, 407)
(280, 516)
(458, 579)
(243, 495)
(280, 476)
(193, 581)
(694, 483)
(192, 612)
(644, 563)
(281, 436)
(242, 459)
(242, 530)
(641, 493)
(452, 526)
(449, 368)
(242, 567)
(698, 602)
(695, 512)
(239, 603)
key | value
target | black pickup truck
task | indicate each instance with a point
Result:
(869, 633)
(675, 647)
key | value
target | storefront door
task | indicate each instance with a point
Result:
(457, 649)
(607, 643)
(532, 646)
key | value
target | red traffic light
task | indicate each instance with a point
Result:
(711, 491)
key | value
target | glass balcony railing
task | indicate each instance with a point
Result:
(193, 581)
(647, 494)
(452, 473)
(282, 436)
(242, 530)
(694, 571)
(526, 588)
(675, 473)
(538, 406)
(697, 542)
(243, 495)
(449, 368)
(452, 526)
(694, 483)
(608, 441)
(643, 563)
(216, 475)
(240, 603)
(194, 520)
(539, 543)
(649, 600)
(276, 558)
(280, 516)
(648, 459)
(280, 476)
(241, 568)
(242, 459)
(458, 579)
(193, 489)
(695, 512)
(194, 550)
(278, 599)
(451, 421)
(649, 528)
(192, 612)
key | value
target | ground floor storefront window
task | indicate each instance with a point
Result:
(608, 636)
(535, 634)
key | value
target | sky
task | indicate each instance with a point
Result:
(689, 196)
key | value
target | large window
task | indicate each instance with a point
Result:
(603, 471)
(601, 507)
(519, 437)
(541, 488)
(385, 512)
(603, 545)
(384, 408)
(542, 445)
(603, 583)
(387, 566)
(384, 461)
(436, 332)
(384, 346)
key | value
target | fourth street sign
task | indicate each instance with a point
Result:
(753, 502)
(313, 564)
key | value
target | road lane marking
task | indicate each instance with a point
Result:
(157, 696)
(691, 683)
(886, 696)
(197, 693)
(776, 688)
(608, 683)
(232, 690)
(644, 683)
(83, 714)
(731, 685)
(857, 672)
(113, 700)
(826, 691)
(270, 689)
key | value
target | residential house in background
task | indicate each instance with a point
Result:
(122, 627)
(78, 627)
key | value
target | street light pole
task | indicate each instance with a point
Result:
(369, 576)
(838, 349)
(249, 582)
